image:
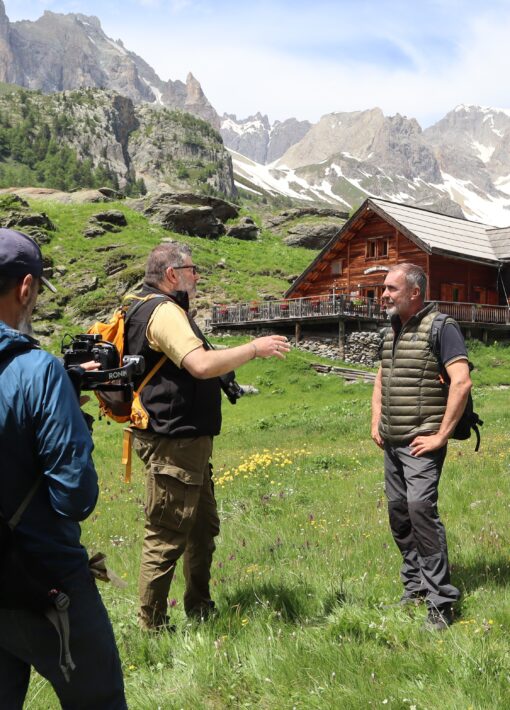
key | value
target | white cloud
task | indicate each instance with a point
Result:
(302, 59)
(241, 73)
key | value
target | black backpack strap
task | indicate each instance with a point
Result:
(14, 520)
(475, 428)
(139, 301)
(436, 331)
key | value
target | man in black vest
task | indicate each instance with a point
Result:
(413, 415)
(183, 400)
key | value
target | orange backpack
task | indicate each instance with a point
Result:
(124, 406)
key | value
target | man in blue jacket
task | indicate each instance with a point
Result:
(48, 481)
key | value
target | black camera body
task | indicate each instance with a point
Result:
(230, 386)
(86, 347)
(112, 375)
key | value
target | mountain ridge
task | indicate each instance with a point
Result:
(461, 162)
(71, 51)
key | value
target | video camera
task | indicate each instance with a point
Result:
(230, 386)
(113, 374)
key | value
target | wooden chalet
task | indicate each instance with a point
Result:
(467, 265)
(465, 262)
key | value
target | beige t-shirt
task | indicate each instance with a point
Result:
(169, 331)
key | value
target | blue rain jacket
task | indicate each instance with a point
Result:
(43, 433)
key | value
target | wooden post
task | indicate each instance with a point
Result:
(485, 335)
(341, 338)
(297, 332)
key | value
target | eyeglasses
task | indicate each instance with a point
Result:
(188, 266)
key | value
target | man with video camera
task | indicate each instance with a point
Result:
(51, 615)
(183, 400)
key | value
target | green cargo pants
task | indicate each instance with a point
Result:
(181, 519)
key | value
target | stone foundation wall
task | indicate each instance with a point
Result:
(361, 348)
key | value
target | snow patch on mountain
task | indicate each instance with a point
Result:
(484, 208)
(157, 93)
(254, 126)
(281, 181)
(484, 151)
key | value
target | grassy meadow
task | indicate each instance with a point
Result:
(305, 564)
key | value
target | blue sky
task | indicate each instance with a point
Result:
(304, 59)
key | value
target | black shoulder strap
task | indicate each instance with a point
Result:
(140, 301)
(14, 520)
(435, 335)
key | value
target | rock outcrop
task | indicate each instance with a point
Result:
(311, 236)
(187, 213)
(245, 229)
(258, 140)
(15, 213)
(126, 142)
(309, 227)
(60, 52)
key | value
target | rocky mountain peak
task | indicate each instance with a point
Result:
(59, 52)
(257, 139)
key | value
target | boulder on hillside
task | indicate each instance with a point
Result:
(16, 219)
(195, 221)
(298, 213)
(245, 229)
(110, 217)
(186, 212)
(110, 193)
(88, 282)
(36, 224)
(50, 195)
(222, 209)
(102, 222)
(10, 201)
(312, 236)
(93, 232)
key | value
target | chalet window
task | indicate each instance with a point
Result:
(337, 267)
(453, 292)
(371, 248)
(377, 248)
(479, 295)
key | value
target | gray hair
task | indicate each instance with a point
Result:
(163, 256)
(414, 275)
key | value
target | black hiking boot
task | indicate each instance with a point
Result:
(439, 618)
(203, 612)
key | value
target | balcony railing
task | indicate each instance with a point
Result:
(328, 305)
(475, 312)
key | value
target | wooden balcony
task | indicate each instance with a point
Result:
(334, 307)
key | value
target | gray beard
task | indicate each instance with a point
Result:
(25, 326)
(25, 320)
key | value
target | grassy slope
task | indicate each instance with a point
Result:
(305, 562)
(252, 268)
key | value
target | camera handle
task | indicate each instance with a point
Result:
(119, 378)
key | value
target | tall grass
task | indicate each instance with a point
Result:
(306, 571)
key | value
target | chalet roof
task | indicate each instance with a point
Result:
(500, 240)
(439, 233)
(433, 232)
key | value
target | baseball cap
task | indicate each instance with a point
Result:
(20, 255)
